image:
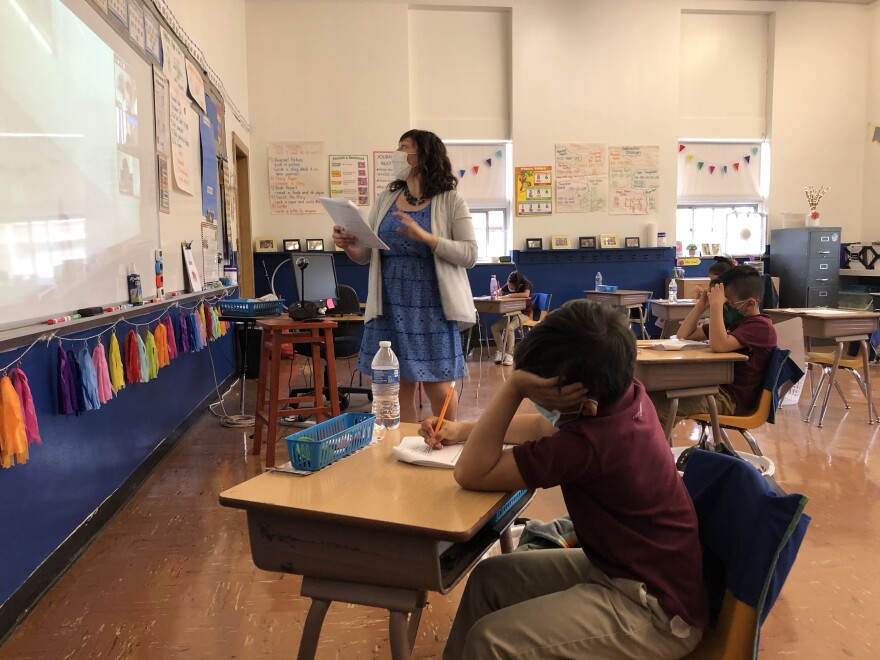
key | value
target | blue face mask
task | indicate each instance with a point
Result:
(557, 418)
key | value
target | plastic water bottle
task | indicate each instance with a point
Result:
(673, 289)
(598, 280)
(493, 287)
(386, 387)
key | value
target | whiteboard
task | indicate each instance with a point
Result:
(78, 178)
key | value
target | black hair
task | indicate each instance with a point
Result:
(516, 281)
(721, 265)
(582, 342)
(435, 170)
(743, 282)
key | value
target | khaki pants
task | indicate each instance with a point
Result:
(555, 604)
(691, 405)
(500, 327)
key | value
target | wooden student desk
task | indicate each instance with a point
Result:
(671, 314)
(623, 298)
(843, 326)
(372, 531)
(509, 307)
(692, 372)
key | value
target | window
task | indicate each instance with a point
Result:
(720, 196)
(485, 176)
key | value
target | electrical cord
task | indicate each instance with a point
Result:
(232, 421)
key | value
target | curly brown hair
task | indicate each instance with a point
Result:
(435, 170)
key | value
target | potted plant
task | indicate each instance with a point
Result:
(692, 249)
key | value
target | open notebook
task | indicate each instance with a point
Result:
(412, 449)
(675, 345)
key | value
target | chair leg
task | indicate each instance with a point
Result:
(756, 450)
(842, 395)
(704, 435)
(815, 398)
(725, 440)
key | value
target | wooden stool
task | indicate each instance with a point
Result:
(276, 333)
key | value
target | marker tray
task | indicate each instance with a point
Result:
(317, 447)
(244, 307)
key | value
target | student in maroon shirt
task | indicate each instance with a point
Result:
(735, 324)
(634, 588)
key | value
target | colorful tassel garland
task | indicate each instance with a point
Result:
(13, 440)
(23, 389)
(132, 359)
(117, 378)
(142, 356)
(182, 334)
(161, 338)
(89, 379)
(192, 332)
(79, 395)
(66, 385)
(172, 344)
(102, 374)
(208, 323)
(152, 355)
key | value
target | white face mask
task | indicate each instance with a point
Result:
(401, 165)
(557, 418)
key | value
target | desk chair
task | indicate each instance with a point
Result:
(782, 372)
(751, 533)
(346, 345)
(540, 309)
(851, 364)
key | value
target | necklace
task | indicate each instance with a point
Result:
(414, 201)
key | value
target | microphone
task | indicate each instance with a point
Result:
(302, 263)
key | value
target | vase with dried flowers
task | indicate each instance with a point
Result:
(814, 194)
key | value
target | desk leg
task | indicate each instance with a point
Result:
(831, 380)
(872, 410)
(398, 630)
(312, 629)
(670, 420)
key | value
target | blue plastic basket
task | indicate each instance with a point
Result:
(606, 288)
(244, 307)
(324, 443)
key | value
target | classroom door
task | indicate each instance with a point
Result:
(243, 212)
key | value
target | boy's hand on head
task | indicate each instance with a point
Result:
(716, 295)
(702, 296)
(547, 393)
(450, 433)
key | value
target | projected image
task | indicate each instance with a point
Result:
(126, 105)
(129, 175)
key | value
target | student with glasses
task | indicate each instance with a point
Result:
(736, 324)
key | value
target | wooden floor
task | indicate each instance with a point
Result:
(171, 576)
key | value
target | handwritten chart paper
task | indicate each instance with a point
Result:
(634, 179)
(182, 119)
(173, 63)
(196, 85)
(295, 177)
(160, 94)
(534, 190)
(348, 178)
(383, 171)
(581, 178)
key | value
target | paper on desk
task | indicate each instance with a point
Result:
(675, 345)
(412, 449)
(345, 214)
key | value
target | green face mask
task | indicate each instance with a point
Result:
(732, 314)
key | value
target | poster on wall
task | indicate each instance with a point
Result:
(581, 178)
(164, 194)
(296, 178)
(160, 102)
(534, 190)
(151, 35)
(173, 61)
(634, 179)
(182, 118)
(349, 179)
(136, 23)
(383, 171)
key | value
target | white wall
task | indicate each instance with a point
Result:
(871, 198)
(582, 70)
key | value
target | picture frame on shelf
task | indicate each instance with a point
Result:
(705, 250)
(534, 244)
(608, 241)
(265, 244)
(716, 248)
(560, 242)
(587, 242)
(314, 244)
(632, 242)
(292, 245)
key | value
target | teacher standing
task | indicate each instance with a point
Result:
(419, 291)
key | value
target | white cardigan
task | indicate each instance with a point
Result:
(456, 251)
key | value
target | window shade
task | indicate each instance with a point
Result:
(482, 173)
(719, 172)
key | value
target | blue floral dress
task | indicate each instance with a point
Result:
(427, 346)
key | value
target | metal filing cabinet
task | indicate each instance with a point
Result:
(807, 261)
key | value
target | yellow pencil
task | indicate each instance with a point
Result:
(445, 406)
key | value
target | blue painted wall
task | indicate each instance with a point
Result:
(85, 458)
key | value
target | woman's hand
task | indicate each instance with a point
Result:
(547, 393)
(450, 433)
(343, 239)
(411, 229)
